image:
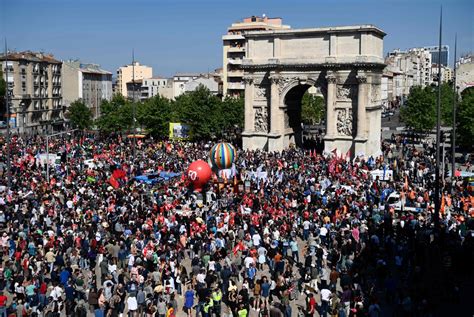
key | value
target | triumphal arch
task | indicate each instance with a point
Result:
(345, 66)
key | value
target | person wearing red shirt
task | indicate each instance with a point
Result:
(3, 305)
(311, 305)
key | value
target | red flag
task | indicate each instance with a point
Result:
(348, 155)
(115, 184)
(239, 247)
(119, 174)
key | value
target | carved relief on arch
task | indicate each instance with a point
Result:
(285, 83)
(261, 92)
(346, 92)
(261, 123)
(374, 94)
(344, 122)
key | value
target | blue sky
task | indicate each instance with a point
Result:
(185, 35)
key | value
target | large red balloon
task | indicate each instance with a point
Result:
(199, 173)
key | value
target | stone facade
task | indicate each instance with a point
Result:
(344, 63)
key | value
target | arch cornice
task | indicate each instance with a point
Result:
(311, 66)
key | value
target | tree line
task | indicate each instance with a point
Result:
(206, 115)
(419, 113)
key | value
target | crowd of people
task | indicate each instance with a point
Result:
(293, 233)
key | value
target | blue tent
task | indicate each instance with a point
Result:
(154, 178)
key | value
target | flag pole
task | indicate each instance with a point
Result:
(7, 104)
(453, 134)
(438, 124)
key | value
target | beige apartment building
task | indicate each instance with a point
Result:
(87, 82)
(35, 88)
(125, 75)
(234, 50)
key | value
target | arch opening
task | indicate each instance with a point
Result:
(305, 110)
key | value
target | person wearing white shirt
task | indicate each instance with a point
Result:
(256, 239)
(325, 297)
(247, 261)
(201, 277)
(132, 304)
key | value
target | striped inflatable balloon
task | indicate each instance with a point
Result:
(222, 155)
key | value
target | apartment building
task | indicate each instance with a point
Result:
(180, 80)
(447, 73)
(125, 74)
(435, 54)
(87, 82)
(153, 86)
(234, 50)
(409, 68)
(34, 84)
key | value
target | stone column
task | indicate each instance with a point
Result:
(361, 104)
(331, 102)
(275, 119)
(249, 113)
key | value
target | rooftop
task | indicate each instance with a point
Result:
(187, 75)
(31, 56)
(334, 29)
(87, 67)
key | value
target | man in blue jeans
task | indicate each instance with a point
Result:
(3, 305)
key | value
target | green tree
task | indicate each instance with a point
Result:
(200, 110)
(116, 115)
(155, 114)
(231, 113)
(446, 103)
(79, 115)
(312, 108)
(465, 119)
(419, 113)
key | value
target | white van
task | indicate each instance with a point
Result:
(380, 173)
(396, 203)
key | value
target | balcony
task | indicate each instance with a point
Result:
(239, 86)
(235, 73)
(229, 37)
(236, 49)
(234, 61)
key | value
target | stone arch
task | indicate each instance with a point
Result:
(282, 65)
(291, 97)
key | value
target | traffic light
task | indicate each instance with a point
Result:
(442, 137)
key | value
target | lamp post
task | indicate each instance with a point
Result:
(438, 130)
(7, 104)
(453, 134)
(134, 105)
